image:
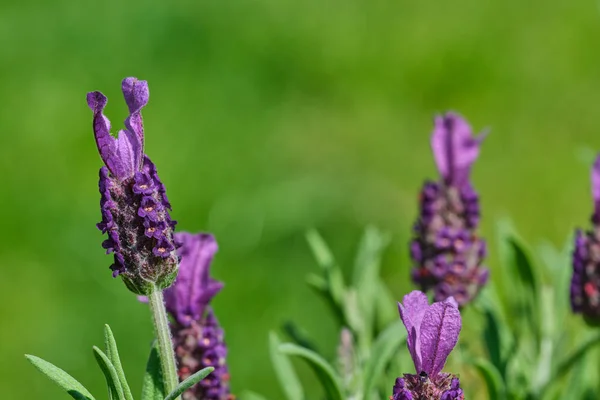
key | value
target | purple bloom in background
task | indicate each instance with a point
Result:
(135, 209)
(585, 283)
(197, 336)
(432, 334)
(446, 251)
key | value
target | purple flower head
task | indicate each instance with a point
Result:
(446, 250)
(432, 334)
(197, 336)
(193, 290)
(133, 201)
(585, 283)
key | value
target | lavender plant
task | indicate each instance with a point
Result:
(523, 310)
(446, 249)
(135, 216)
(585, 282)
(370, 334)
(530, 353)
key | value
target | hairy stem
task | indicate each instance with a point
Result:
(163, 337)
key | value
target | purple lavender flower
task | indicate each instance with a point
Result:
(135, 209)
(585, 283)
(445, 249)
(432, 334)
(197, 336)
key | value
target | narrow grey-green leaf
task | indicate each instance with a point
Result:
(110, 373)
(324, 371)
(494, 382)
(387, 309)
(383, 350)
(113, 355)
(366, 279)
(69, 384)
(299, 336)
(285, 370)
(322, 289)
(333, 273)
(189, 382)
(153, 386)
(522, 288)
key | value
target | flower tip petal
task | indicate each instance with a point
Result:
(96, 101)
(440, 329)
(452, 301)
(596, 179)
(136, 93)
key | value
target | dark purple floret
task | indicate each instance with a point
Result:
(133, 201)
(585, 283)
(445, 249)
(420, 387)
(432, 334)
(197, 336)
(199, 345)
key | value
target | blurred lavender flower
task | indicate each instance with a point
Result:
(432, 334)
(446, 251)
(135, 208)
(585, 283)
(197, 336)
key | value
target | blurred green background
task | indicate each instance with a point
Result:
(268, 117)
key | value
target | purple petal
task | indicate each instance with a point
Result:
(136, 95)
(439, 333)
(194, 288)
(413, 308)
(596, 180)
(454, 148)
(121, 155)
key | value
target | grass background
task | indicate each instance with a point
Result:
(268, 117)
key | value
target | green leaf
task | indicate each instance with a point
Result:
(498, 338)
(153, 386)
(110, 373)
(321, 288)
(189, 382)
(495, 385)
(556, 262)
(299, 336)
(574, 358)
(249, 395)
(366, 279)
(545, 360)
(522, 288)
(284, 370)
(383, 350)
(324, 371)
(491, 335)
(386, 306)
(69, 384)
(113, 355)
(333, 274)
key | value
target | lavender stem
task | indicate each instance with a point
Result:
(163, 337)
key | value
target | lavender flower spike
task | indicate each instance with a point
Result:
(197, 336)
(135, 209)
(445, 249)
(432, 334)
(585, 283)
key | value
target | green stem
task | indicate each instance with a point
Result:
(163, 337)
